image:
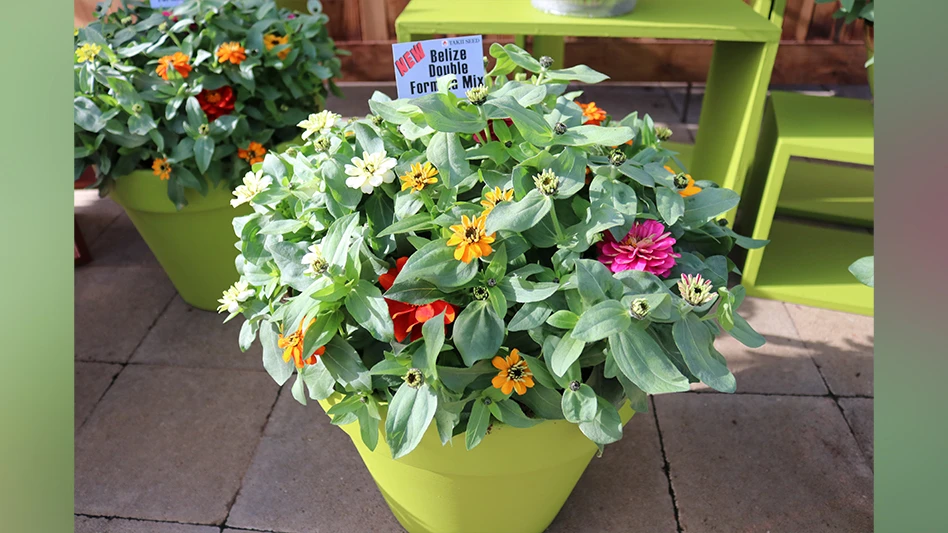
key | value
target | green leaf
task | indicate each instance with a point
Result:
(419, 222)
(567, 351)
(745, 334)
(864, 270)
(457, 379)
(478, 332)
(288, 257)
(595, 282)
(367, 138)
(694, 340)
(521, 58)
(126, 95)
(513, 416)
(298, 391)
(563, 319)
(579, 406)
(477, 424)
(522, 290)
(497, 268)
(345, 365)
(319, 380)
(442, 115)
(448, 156)
(708, 204)
(435, 263)
(142, 124)
(530, 315)
(529, 123)
(409, 415)
(273, 362)
(87, 115)
(641, 359)
(203, 151)
(578, 73)
(196, 116)
(447, 416)
(594, 135)
(432, 331)
(638, 400)
(368, 428)
(671, 206)
(368, 308)
(606, 426)
(335, 245)
(545, 403)
(602, 320)
(414, 292)
(521, 215)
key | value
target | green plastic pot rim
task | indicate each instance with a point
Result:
(143, 191)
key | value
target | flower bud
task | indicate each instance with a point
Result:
(547, 182)
(508, 144)
(480, 293)
(574, 385)
(488, 401)
(414, 378)
(492, 282)
(695, 290)
(477, 95)
(681, 181)
(640, 308)
(322, 144)
(137, 108)
(204, 129)
(546, 61)
(559, 128)
(377, 120)
(663, 133)
(520, 76)
(617, 157)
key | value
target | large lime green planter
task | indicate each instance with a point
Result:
(515, 481)
(195, 245)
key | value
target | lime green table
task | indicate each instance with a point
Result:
(808, 263)
(745, 45)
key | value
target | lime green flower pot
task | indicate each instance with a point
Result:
(515, 481)
(195, 245)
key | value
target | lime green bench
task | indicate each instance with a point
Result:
(807, 263)
(745, 46)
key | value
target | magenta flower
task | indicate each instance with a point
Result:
(166, 13)
(647, 247)
(291, 16)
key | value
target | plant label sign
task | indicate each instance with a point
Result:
(165, 3)
(419, 64)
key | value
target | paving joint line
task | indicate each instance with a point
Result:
(666, 467)
(263, 429)
(145, 520)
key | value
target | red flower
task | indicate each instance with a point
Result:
(217, 102)
(407, 316)
(490, 126)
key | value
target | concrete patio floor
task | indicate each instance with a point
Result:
(177, 431)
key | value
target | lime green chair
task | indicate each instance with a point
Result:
(807, 260)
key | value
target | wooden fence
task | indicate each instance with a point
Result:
(815, 48)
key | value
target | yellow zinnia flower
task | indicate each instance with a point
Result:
(684, 183)
(272, 40)
(419, 176)
(161, 168)
(495, 197)
(232, 52)
(87, 52)
(514, 373)
(471, 239)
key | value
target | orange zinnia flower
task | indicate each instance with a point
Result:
(161, 168)
(471, 239)
(232, 52)
(514, 373)
(406, 317)
(292, 347)
(684, 183)
(178, 61)
(272, 40)
(253, 153)
(593, 115)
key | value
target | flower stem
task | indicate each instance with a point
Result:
(556, 223)
(429, 203)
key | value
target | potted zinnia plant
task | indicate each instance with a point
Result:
(173, 106)
(469, 305)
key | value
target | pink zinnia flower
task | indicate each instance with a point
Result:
(647, 247)
(291, 16)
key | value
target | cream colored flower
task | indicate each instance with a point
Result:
(318, 123)
(254, 183)
(237, 294)
(314, 261)
(370, 171)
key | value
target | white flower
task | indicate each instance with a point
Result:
(314, 261)
(254, 183)
(370, 171)
(237, 294)
(318, 123)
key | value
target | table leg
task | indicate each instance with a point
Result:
(549, 45)
(731, 112)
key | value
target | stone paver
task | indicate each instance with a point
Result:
(746, 463)
(114, 308)
(307, 472)
(858, 412)
(171, 443)
(92, 379)
(185, 336)
(121, 245)
(782, 366)
(851, 91)
(624, 490)
(119, 525)
(94, 214)
(842, 346)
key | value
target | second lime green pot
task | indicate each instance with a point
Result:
(195, 245)
(515, 481)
